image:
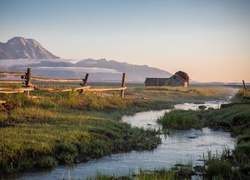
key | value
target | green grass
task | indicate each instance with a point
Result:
(141, 175)
(234, 117)
(179, 94)
(67, 138)
(66, 128)
(242, 96)
(180, 119)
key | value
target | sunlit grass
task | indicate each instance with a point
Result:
(179, 94)
(64, 128)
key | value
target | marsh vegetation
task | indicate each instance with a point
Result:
(67, 128)
(233, 117)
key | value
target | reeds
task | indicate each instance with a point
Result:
(180, 119)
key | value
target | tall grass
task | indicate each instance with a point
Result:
(65, 128)
(242, 96)
(180, 119)
(179, 94)
(234, 117)
(69, 139)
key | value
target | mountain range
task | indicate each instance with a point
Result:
(99, 70)
(19, 53)
(21, 48)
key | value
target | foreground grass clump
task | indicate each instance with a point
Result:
(235, 117)
(180, 119)
(65, 128)
(219, 166)
(69, 138)
(242, 96)
(142, 174)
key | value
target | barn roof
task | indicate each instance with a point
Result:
(183, 75)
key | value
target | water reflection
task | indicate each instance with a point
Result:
(192, 106)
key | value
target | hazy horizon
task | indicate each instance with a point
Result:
(210, 39)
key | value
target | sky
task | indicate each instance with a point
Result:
(208, 39)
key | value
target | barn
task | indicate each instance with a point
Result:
(180, 78)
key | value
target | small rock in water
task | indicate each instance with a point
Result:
(199, 168)
(202, 107)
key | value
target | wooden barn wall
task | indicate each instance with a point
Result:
(155, 81)
(174, 81)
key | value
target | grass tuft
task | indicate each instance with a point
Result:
(180, 119)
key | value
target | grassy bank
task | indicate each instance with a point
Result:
(64, 129)
(179, 94)
(67, 128)
(234, 117)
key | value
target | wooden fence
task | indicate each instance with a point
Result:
(244, 85)
(28, 83)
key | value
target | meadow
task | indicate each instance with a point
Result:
(65, 128)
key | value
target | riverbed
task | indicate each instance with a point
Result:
(177, 147)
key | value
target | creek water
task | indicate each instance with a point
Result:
(178, 147)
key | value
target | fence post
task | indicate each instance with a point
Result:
(28, 79)
(84, 82)
(244, 85)
(28, 76)
(123, 85)
(85, 79)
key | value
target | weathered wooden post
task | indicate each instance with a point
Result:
(244, 85)
(28, 76)
(123, 85)
(28, 79)
(85, 79)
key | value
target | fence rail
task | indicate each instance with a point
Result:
(28, 80)
(15, 90)
(60, 90)
(12, 73)
(12, 81)
(55, 80)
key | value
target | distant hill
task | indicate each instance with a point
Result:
(4, 55)
(99, 70)
(18, 53)
(21, 48)
(137, 73)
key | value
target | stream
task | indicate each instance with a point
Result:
(186, 146)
